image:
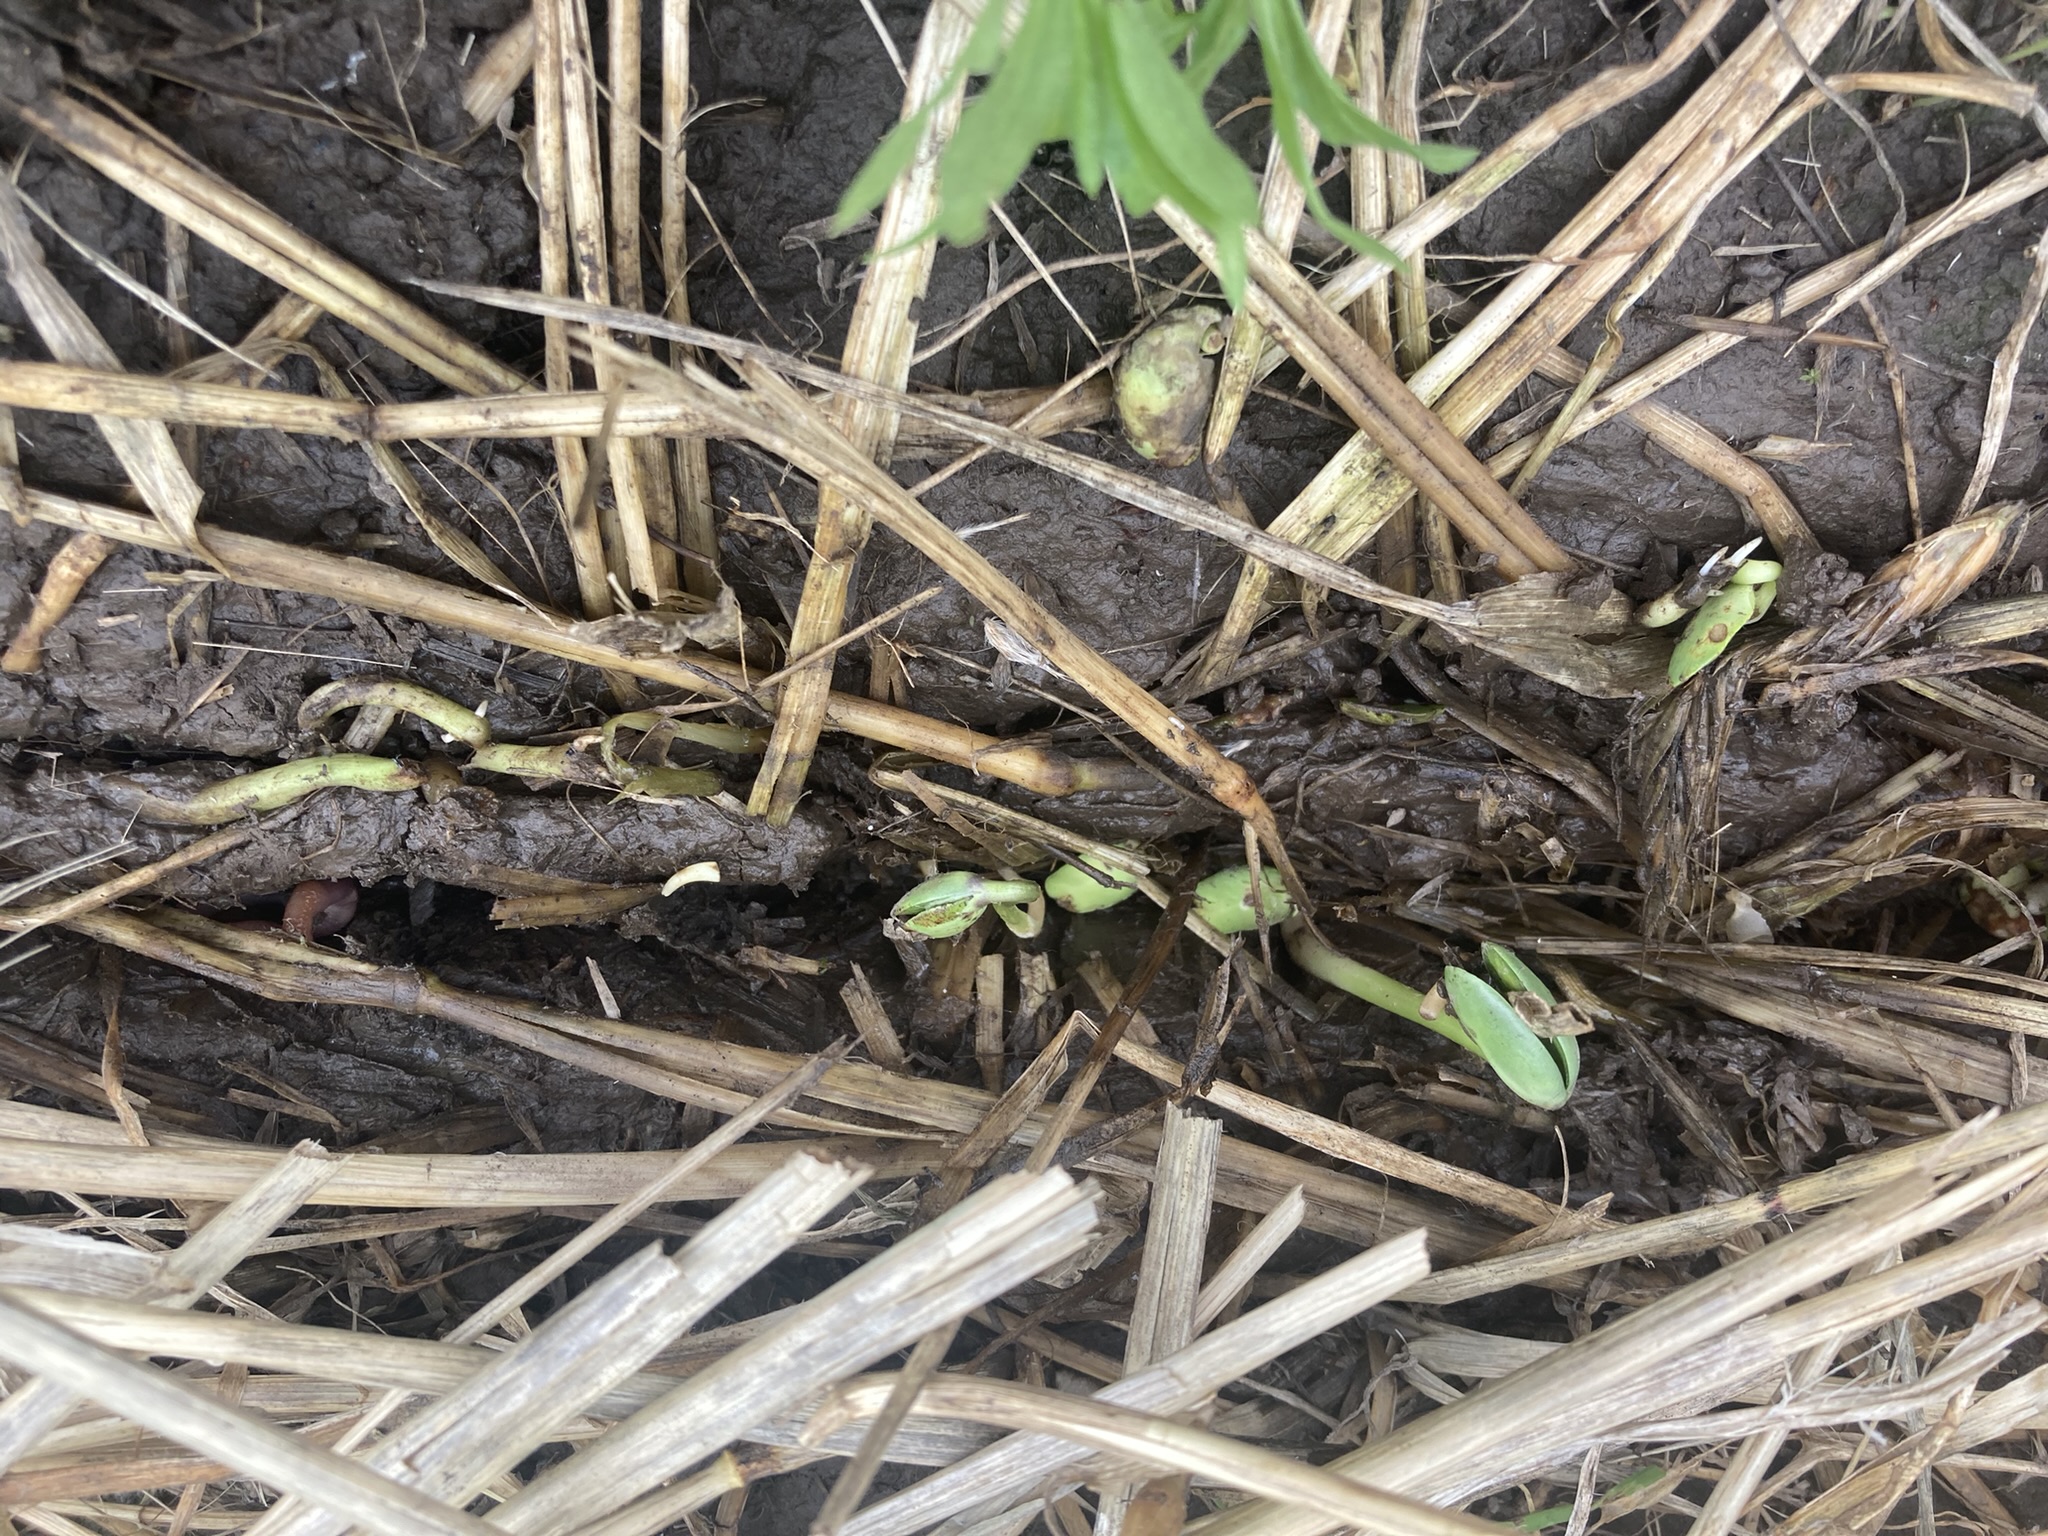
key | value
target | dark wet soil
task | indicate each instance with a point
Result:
(138, 680)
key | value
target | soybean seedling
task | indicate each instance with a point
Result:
(1546, 1079)
(1079, 891)
(1543, 1071)
(1713, 574)
(1482, 1020)
(1716, 622)
(1224, 900)
(947, 905)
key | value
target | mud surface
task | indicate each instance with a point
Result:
(184, 682)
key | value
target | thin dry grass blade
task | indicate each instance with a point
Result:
(1629, 392)
(1281, 200)
(550, 171)
(108, 892)
(289, 568)
(1357, 1147)
(144, 448)
(2004, 374)
(450, 540)
(1249, 1177)
(238, 225)
(697, 526)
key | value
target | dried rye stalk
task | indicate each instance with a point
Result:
(879, 341)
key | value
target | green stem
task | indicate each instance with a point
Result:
(445, 715)
(1010, 893)
(714, 734)
(524, 762)
(1365, 983)
(268, 789)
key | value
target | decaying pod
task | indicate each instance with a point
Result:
(1165, 381)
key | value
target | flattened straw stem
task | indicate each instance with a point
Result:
(190, 1271)
(1697, 1231)
(1745, 1471)
(1019, 1462)
(622, 62)
(880, 339)
(289, 568)
(697, 524)
(788, 1181)
(1169, 1275)
(998, 1238)
(858, 1474)
(191, 1416)
(1281, 200)
(1372, 312)
(498, 73)
(1158, 1442)
(649, 411)
(1368, 166)
(1944, 53)
(1249, 1177)
(1556, 1398)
